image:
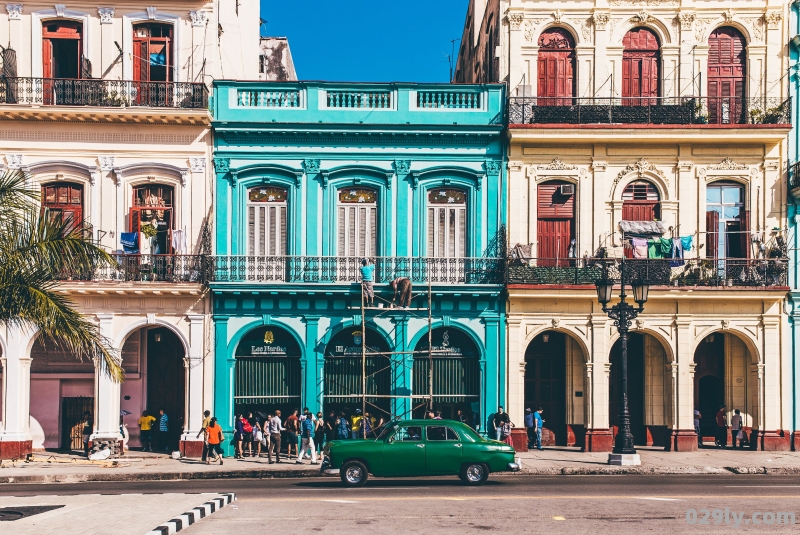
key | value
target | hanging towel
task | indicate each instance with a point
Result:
(654, 249)
(130, 242)
(178, 241)
(666, 247)
(677, 252)
(147, 245)
(686, 241)
(639, 247)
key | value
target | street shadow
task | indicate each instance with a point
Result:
(393, 483)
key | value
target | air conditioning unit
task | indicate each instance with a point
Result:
(567, 189)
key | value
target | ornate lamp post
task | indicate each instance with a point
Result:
(623, 313)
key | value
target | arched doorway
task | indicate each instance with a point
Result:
(649, 389)
(556, 68)
(640, 67)
(456, 377)
(268, 375)
(726, 76)
(344, 370)
(166, 381)
(723, 375)
(554, 381)
(555, 225)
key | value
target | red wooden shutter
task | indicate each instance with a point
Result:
(726, 73)
(555, 226)
(640, 71)
(556, 67)
(47, 58)
(712, 234)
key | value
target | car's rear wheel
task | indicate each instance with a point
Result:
(474, 474)
(354, 474)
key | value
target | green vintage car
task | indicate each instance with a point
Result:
(409, 448)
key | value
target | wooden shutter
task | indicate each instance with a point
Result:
(342, 232)
(556, 67)
(141, 60)
(252, 250)
(551, 204)
(712, 233)
(726, 74)
(640, 66)
(744, 236)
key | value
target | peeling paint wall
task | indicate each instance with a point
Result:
(275, 61)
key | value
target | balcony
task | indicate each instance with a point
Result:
(715, 111)
(794, 179)
(332, 269)
(148, 268)
(105, 93)
(692, 272)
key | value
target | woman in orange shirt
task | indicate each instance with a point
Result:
(215, 438)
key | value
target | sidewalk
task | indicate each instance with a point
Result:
(137, 466)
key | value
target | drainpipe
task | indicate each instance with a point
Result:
(792, 208)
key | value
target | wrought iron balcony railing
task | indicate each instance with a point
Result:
(661, 111)
(148, 268)
(94, 92)
(794, 176)
(736, 272)
(332, 269)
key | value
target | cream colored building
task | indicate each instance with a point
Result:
(106, 107)
(673, 116)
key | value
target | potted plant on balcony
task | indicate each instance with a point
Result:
(700, 113)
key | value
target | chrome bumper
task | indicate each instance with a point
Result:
(513, 467)
(331, 472)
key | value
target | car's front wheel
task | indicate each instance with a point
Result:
(474, 474)
(354, 474)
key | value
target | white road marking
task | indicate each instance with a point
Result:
(661, 499)
(341, 501)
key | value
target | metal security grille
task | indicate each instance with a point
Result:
(261, 380)
(343, 378)
(455, 379)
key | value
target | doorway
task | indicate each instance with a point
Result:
(709, 381)
(545, 384)
(636, 348)
(72, 421)
(166, 379)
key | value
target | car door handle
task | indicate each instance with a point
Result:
(420, 445)
(457, 445)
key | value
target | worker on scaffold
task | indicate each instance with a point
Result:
(402, 285)
(367, 280)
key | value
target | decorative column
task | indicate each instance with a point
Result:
(599, 436)
(516, 370)
(15, 436)
(314, 364)
(683, 436)
(402, 369)
(600, 19)
(512, 53)
(106, 400)
(771, 433)
(224, 366)
(191, 445)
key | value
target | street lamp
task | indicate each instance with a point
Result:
(623, 313)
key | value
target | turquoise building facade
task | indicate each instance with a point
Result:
(312, 178)
(793, 213)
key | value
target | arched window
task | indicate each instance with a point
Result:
(556, 67)
(640, 202)
(151, 216)
(266, 221)
(64, 201)
(555, 225)
(447, 223)
(726, 76)
(640, 67)
(358, 222)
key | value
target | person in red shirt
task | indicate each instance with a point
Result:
(722, 428)
(292, 427)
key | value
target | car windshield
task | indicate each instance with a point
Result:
(386, 430)
(468, 434)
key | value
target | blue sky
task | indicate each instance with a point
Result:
(368, 40)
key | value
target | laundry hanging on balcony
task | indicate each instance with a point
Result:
(158, 59)
(642, 229)
(130, 242)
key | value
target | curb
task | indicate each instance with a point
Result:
(190, 517)
(303, 473)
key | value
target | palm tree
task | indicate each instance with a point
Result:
(37, 250)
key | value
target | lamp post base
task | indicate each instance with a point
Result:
(624, 459)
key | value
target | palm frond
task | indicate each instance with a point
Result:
(16, 194)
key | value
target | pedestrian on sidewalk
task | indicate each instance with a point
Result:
(307, 435)
(162, 443)
(247, 439)
(500, 418)
(146, 431)
(530, 427)
(275, 427)
(697, 417)
(292, 428)
(367, 281)
(736, 430)
(722, 428)
(342, 426)
(258, 435)
(365, 431)
(204, 432)
(403, 286)
(506, 433)
(88, 426)
(330, 427)
(238, 436)
(215, 438)
(319, 432)
(355, 424)
(539, 421)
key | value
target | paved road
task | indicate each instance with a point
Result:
(518, 503)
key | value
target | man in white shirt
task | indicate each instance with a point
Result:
(736, 426)
(275, 428)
